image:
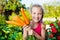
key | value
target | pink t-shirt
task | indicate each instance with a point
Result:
(38, 29)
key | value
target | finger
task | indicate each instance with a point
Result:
(24, 26)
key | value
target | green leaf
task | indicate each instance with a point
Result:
(6, 30)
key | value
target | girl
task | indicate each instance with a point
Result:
(37, 27)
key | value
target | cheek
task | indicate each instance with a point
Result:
(40, 16)
(33, 16)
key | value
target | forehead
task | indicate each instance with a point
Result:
(37, 9)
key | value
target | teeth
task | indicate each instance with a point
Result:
(36, 19)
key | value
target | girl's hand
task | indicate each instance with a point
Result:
(30, 32)
(25, 27)
(28, 29)
(25, 32)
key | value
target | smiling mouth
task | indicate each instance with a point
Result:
(37, 19)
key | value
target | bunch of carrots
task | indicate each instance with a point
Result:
(18, 21)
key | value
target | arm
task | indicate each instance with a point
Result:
(42, 37)
(43, 32)
(25, 33)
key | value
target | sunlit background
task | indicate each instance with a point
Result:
(9, 9)
(41, 2)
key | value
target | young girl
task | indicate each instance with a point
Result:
(36, 27)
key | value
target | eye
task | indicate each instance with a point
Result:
(34, 13)
(39, 13)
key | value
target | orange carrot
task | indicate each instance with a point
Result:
(14, 23)
(25, 17)
(17, 19)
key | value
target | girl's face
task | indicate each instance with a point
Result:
(36, 14)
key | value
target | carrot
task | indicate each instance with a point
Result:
(17, 19)
(25, 17)
(14, 23)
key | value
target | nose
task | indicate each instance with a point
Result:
(36, 15)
